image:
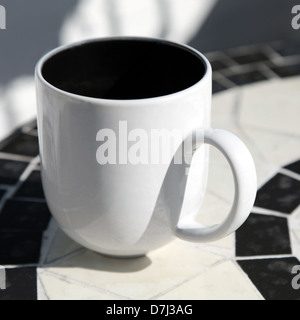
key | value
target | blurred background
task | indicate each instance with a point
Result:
(34, 27)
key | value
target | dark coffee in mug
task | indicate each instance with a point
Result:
(124, 69)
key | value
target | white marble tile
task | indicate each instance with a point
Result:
(62, 289)
(223, 106)
(295, 240)
(274, 148)
(297, 233)
(222, 282)
(138, 278)
(41, 293)
(294, 220)
(213, 211)
(272, 105)
(225, 243)
(270, 149)
(294, 227)
(220, 179)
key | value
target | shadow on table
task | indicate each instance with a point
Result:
(63, 252)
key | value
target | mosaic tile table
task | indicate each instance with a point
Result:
(257, 96)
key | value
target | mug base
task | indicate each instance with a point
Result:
(122, 257)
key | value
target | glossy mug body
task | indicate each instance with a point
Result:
(121, 208)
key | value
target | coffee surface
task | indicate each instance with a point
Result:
(124, 69)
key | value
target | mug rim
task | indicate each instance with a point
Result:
(53, 52)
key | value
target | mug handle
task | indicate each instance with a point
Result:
(245, 182)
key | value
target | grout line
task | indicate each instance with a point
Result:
(225, 58)
(268, 72)
(245, 49)
(235, 70)
(26, 173)
(22, 265)
(272, 174)
(245, 275)
(272, 131)
(237, 109)
(225, 82)
(259, 66)
(162, 293)
(14, 157)
(223, 252)
(67, 256)
(243, 69)
(10, 192)
(216, 250)
(263, 211)
(236, 116)
(217, 75)
(217, 55)
(47, 241)
(40, 284)
(213, 193)
(289, 173)
(294, 242)
(270, 52)
(155, 297)
(286, 61)
(82, 284)
(265, 257)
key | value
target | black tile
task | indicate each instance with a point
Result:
(22, 144)
(281, 193)
(20, 247)
(295, 167)
(287, 71)
(263, 235)
(32, 187)
(272, 277)
(246, 78)
(10, 171)
(21, 284)
(250, 58)
(24, 216)
(2, 193)
(218, 65)
(217, 87)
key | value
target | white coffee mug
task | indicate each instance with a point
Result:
(108, 110)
